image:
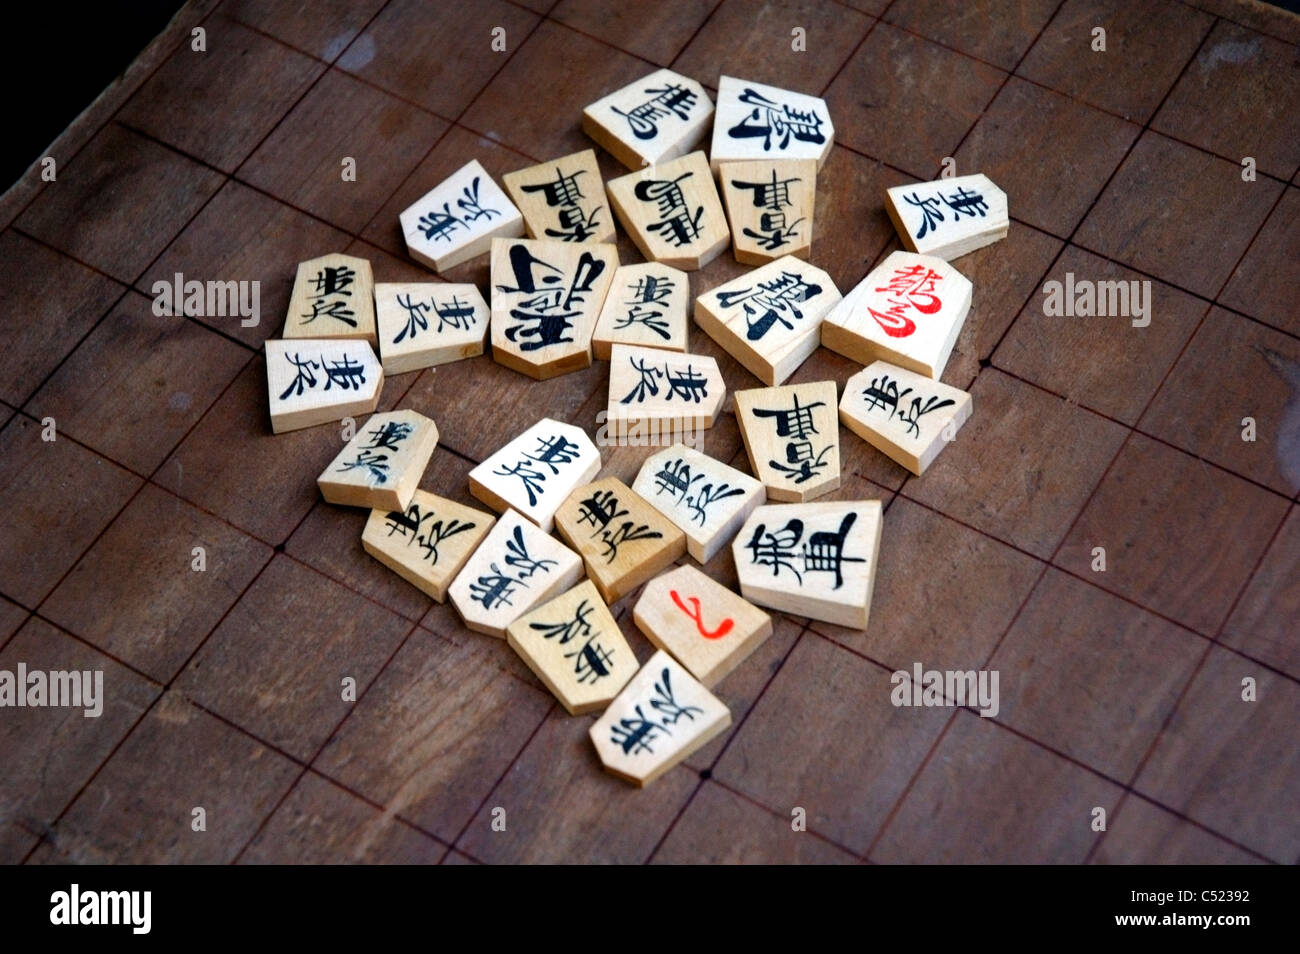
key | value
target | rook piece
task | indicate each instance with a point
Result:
(459, 218)
(428, 542)
(672, 212)
(429, 323)
(656, 388)
(536, 471)
(563, 199)
(313, 382)
(764, 122)
(660, 117)
(333, 297)
(646, 306)
(948, 218)
(902, 414)
(382, 465)
(792, 437)
(770, 207)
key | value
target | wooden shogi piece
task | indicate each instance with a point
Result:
(657, 118)
(792, 437)
(574, 646)
(816, 560)
(907, 311)
(622, 539)
(536, 471)
(904, 415)
(706, 627)
(432, 323)
(672, 212)
(948, 218)
(381, 466)
(311, 381)
(653, 387)
(706, 498)
(333, 297)
(755, 121)
(563, 199)
(661, 718)
(770, 205)
(427, 543)
(769, 319)
(546, 297)
(516, 567)
(458, 219)
(647, 305)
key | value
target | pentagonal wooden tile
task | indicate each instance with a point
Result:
(381, 466)
(672, 212)
(770, 207)
(792, 437)
(647, 305)
(312, 381)
(458, 219)
(662, 390)
(906, 416)
(422, 324)
(660, 117)
(536, 471)
(563, 199)
(333, 297)
(428, 542)
(756, 121)
(948, 218)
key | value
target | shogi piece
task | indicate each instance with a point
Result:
(313, 382)
(765, 122)
(661, 718)
(515, 568)
(536, 471)
(657, 118)
(948, 218)
(647, 305)
(907, 311)
(769, 319)
(428, 543)
(702, 624)
(770, 207)
(663, 390)
(333, 297)
(816, 560)
(573, 645)
(792, 437)
(422, 324)
(381, 466)
(459, 218)
(623, 540)
(563, 199)
(706, 498)
(904, 415)
(672, 212)
(546, 297)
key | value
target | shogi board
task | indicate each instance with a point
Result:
(422, 324)
(458, 219)
(706, 498)
(792, 437)
(657, 118)
(904, 415)
(672, 212)
(573, 645)
(622, 539)
(755, 121)
(311, 381)
(769, 319)
(816, 560)
(428, 542)
(563, 199)
(770, 206)
(536, 471)
(546, 296)
(948, 218)
(381, 466)
(647, 385)
(907, 311)
(661, 718)
(702, 624)
(647, 305)
(516, 567)
(333, 297)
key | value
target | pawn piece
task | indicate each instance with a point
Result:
(663, 390)
(755, 121)
(770, 206)
(422, 324)
(948, 218)
(646, 306)
(792, 437)
(672, 212)
(661, 718)
(573, 645)
(312, 382)
(563, 199)
(816, 560)
(427, 543)
(657, 118)
(458, 219)
(381, 466)
(904, 415)
(333, 297)
(536, 471)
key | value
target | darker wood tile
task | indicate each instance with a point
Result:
(323, 28)
(47, 304)
(119, 202)
(11, 617)
(1277, 21)
(1005, 473)
(997, 32)
(1180, 536)
(656, 31)
(136, 593)
(1233, 765)
(15, 842)
(241, 73)
(319, 823)
(851, 227)
(884, 102)
(1263, 624)
(275, 666)
(1177, 213)
(454, 857)
(1141, 833)
(63, 496)
(1264, 284)
(1147, 46)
